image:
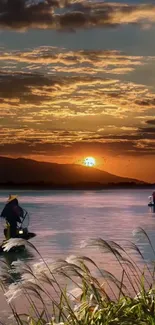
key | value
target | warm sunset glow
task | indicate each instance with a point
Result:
(89, 161)
(69, 99)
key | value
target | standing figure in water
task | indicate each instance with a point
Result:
(153, 197)
(12, 213)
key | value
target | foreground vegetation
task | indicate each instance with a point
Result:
(86, 299)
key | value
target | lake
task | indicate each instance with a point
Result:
(62, 219)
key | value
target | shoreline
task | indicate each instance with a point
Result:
(80, 187)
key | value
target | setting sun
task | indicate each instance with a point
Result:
(89, 161)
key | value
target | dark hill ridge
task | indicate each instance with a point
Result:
(21, 171)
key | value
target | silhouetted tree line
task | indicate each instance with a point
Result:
(74, 186)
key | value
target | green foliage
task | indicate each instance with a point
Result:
(92, 301)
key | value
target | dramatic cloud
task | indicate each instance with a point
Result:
(54, 101)
(60, 60)
(71, 15)
(34, 95)
(73, 83)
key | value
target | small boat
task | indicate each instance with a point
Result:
(151, 204)
(151, 201)
(22, 232)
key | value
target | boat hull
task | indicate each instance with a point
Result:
(151, 204)
(27, 235)
(21, 233)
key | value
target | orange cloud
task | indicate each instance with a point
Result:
(65, 108)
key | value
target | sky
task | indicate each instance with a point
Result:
(76, 80)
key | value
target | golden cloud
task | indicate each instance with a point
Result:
(66, 108)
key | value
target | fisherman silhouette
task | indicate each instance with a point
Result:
(12, 213)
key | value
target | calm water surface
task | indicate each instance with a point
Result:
(62, 219)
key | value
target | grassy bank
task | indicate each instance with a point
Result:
(86, 299)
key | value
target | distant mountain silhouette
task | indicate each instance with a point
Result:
(26, 171)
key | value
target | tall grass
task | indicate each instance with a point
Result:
(84, 299)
